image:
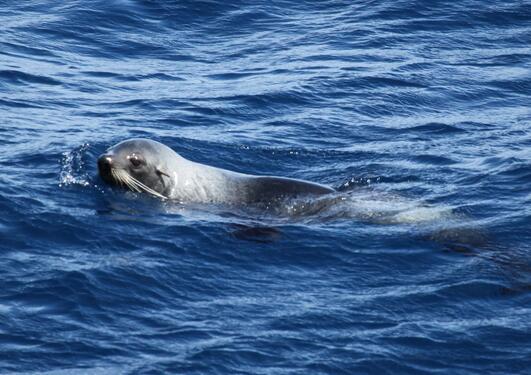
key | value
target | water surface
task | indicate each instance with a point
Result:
(426, 101)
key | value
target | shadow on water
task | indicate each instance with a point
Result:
(255, 233)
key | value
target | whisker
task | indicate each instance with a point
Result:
(146, 188)
(116, 176)
(125, 179)
(133, 185)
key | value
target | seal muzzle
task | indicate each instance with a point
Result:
(104, 167)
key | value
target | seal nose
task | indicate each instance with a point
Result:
(104, 164)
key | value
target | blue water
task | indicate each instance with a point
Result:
(417, 101)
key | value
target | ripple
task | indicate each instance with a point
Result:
(16, 77)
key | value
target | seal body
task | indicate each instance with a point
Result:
(145, 165)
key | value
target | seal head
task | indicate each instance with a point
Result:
(137, 164)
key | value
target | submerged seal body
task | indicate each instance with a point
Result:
(145, 165)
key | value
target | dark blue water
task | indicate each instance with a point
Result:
(426, 104)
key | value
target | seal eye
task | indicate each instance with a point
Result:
(135, 160)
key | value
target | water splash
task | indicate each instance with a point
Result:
(73, 170)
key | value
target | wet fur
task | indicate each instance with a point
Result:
(167, 175)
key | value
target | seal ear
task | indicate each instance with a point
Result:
(159, 172)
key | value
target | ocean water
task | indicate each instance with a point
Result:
(419, 111)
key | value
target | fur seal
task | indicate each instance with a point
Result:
(144, 165)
